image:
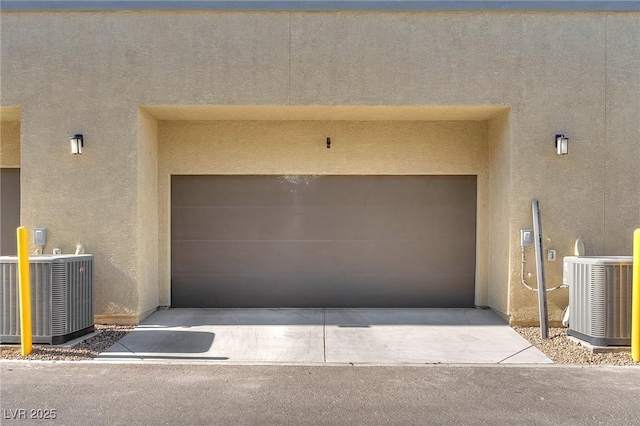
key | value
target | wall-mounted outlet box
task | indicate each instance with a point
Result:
(551, 255)
(40, 236)
(526, 237)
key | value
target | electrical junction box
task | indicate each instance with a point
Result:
(40, 236)
(526, 237)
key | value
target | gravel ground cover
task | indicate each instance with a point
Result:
(88, 349)
(564, 351)
(558, 347)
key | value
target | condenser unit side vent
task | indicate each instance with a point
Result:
(596, 287)
(40, 300)
(59, 299)
(619, 300)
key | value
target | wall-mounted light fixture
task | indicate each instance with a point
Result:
(77, 142)
(562, 144)
(328, 142)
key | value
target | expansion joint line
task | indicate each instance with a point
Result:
(512, 355)
(324, 332)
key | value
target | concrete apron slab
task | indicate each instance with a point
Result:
(310, 336)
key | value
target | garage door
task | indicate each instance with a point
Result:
(323, 241)
(9, 210)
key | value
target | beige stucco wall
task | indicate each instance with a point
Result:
(589, 193)
(89, 72)
(147, 233)
(299, 147)
(622, 134)
(498, 247)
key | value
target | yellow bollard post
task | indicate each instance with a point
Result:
(24, 281)
(635, 295)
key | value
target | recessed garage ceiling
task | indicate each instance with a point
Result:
(324, 112)
(323, 241)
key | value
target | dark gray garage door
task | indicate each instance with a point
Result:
(9, 210)
(323, 241)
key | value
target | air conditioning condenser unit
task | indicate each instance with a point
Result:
(61, 298)
(599, 298)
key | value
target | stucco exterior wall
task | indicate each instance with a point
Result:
(622, 133)
(89, 72)
(147, 233)
(577, 198)
(498, 247)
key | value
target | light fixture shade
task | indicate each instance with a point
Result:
(77, 142)
(562, 144)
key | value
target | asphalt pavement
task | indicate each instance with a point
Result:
(151, 393)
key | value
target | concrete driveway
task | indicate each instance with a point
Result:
(318, 336)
